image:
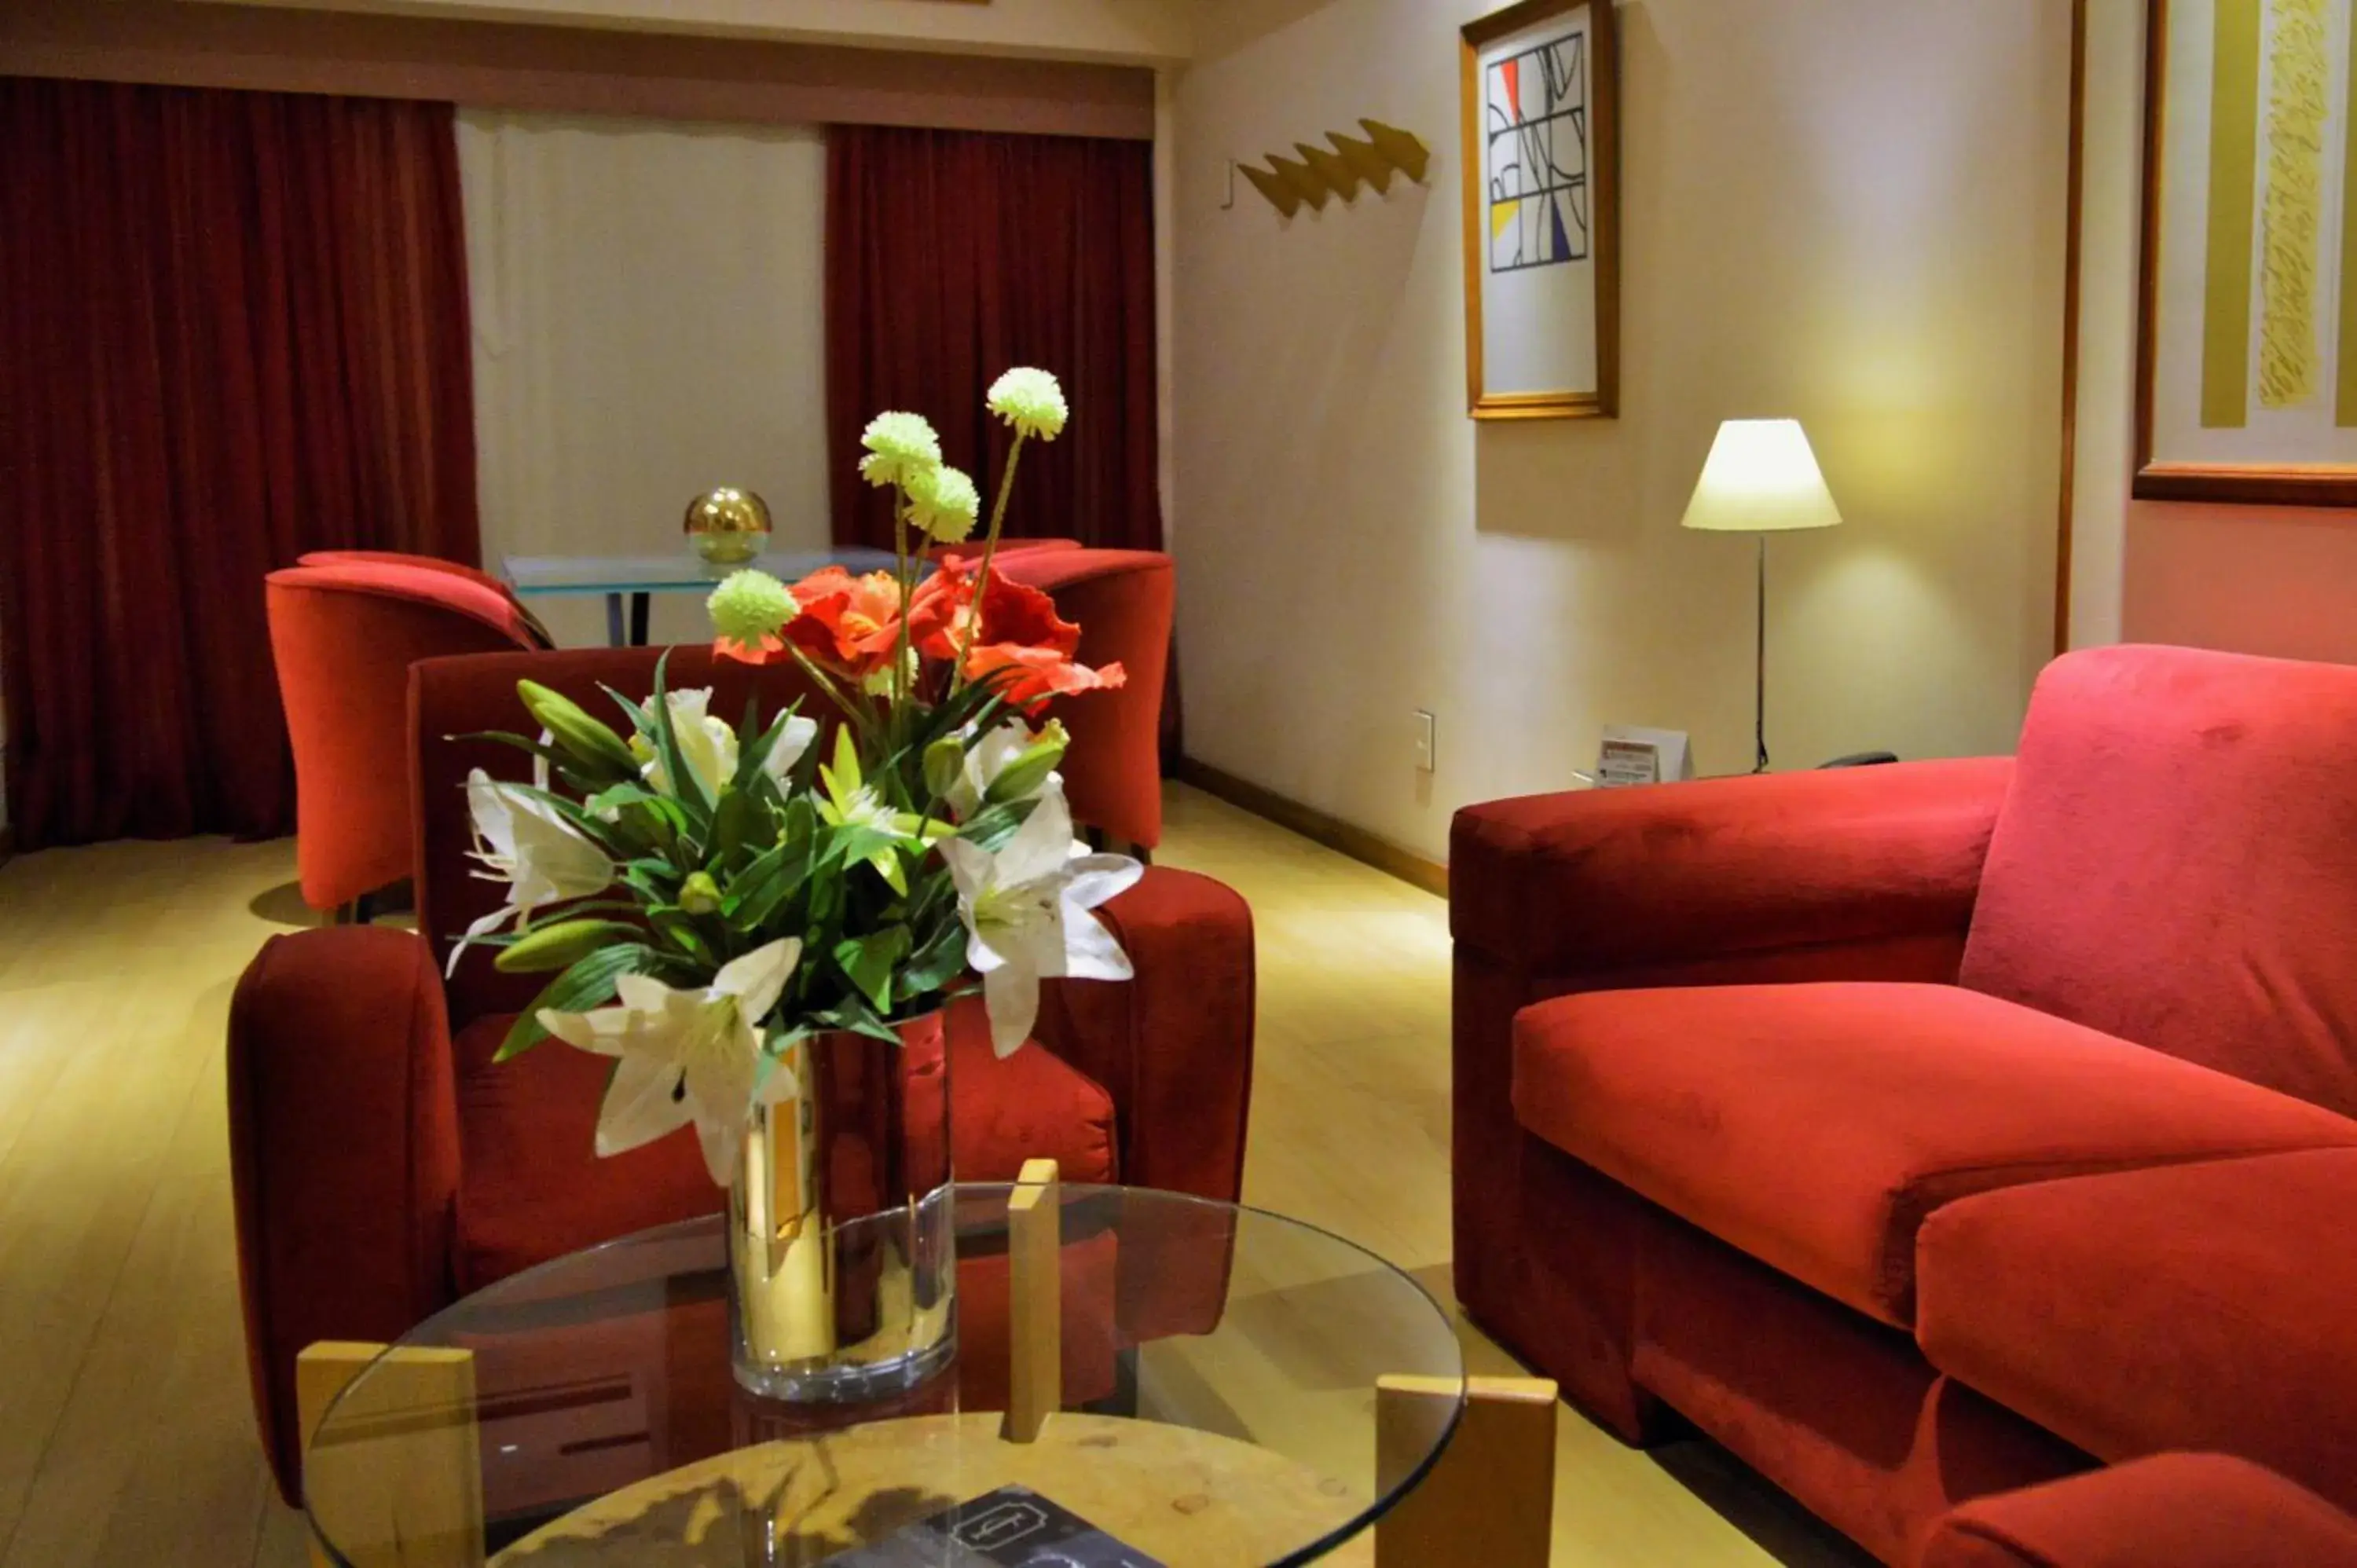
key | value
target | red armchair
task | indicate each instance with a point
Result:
(382, 1165)
(475, 574)
(343, 638)
(1123, 601)
(1928, 1131)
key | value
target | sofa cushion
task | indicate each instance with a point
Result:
(1814, 1126)
(2198, 1306)
(532, 1186)
(2176, 863)
(2176, 1510)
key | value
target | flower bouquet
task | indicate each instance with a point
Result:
(761, 924)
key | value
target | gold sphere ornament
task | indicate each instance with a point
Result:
(727, 526)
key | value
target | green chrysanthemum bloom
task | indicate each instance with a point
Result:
(750, 606)
(899, 447)
(1031, 400)
(944, 502)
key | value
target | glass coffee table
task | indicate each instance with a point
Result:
(1211, 1397)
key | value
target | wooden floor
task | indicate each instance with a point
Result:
(125, 1427)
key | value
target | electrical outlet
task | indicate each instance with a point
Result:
(1427, 747)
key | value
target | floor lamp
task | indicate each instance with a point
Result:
(1760, 478)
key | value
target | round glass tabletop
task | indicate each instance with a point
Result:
(1217, 1404)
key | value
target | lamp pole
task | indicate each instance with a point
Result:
(1760, 668)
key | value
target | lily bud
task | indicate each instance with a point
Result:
(1023, 778)
(944, 764)
(578, 734)
(562, 945)
(699, 894)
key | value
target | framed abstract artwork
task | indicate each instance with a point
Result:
(1541, 217)
(2246, 343)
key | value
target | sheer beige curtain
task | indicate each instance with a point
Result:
(648, 324)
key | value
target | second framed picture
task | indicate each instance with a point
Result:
(1541, 211)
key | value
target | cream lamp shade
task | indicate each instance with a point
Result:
(1760, 478)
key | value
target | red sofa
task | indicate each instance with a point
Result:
(384, 1164)
(2176, 1510)
(1927, 1131)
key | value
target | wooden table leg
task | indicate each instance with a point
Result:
(640, 604)
(401, 1477)
(1490, 1497)
(1035, 1351)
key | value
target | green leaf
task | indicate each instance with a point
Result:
(939, 961)
(869, 961)
(754, 749)
(854, 1014)
(680, 931)
(589, 983)
(686, 788)
(994, 825)
(736, 819)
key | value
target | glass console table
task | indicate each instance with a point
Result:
(635, 579)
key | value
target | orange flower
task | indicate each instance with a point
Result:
(760, 652)
(852, 624)
(1012, 612)
(1039, 673)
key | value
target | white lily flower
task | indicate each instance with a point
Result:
(1026, 915)
(707, 743)
(542, 858)
(991, 756)
(687, 1056)
(793, 742)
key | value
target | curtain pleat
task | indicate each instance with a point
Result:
(232, 328)
(952, 255)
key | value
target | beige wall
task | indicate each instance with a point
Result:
(2252, 579)
(648, 304)
(1133, 31)
(1846, 210)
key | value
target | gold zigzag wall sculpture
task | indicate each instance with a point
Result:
(1319, 176)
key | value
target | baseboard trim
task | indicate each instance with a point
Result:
(1343, 838)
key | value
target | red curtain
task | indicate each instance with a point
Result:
(951, 255)
(232, 327)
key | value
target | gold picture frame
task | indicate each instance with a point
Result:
(1540, 89)
(2246, 378)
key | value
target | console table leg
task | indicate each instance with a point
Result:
(1035, 1358)
(403, 1472)
(1490, 1497)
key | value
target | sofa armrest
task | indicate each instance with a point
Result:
(1173, 1046)
(1605, 880)
(2172, 1510)
(344, 1153)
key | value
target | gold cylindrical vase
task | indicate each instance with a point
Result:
(842, 1254)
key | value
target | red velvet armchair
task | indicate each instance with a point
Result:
(1926, 1132)
(1123, 601)
(459, 569)
(343, 637)
(382, 1165)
